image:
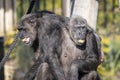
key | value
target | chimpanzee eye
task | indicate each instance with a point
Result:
(82, 27)
(31, 21)
(20, 29)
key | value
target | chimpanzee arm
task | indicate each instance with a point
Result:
(92, 60)
(53, 49)
(85, 65)
(56, 67)
(99, 46)
(33, 70)
(90, 63)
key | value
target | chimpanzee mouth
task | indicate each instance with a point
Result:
(81, 44)
(81, 41)
(26, 40)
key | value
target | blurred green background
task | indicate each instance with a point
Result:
(108, 27)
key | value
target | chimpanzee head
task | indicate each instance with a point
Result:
(27, 28)
(78, 29)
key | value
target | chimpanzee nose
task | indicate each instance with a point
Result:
(21, 36)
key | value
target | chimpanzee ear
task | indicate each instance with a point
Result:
(33, 20)
(89, 29)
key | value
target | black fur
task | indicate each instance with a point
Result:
(46, 28)
(79, 59)
(35, 45)
(61, 54)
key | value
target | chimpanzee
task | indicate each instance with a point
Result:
(68, 47)
(44, 27)
(80, 54)
(35, 45)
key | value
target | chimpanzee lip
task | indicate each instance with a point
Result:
(26, 40)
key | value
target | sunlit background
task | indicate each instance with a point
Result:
(108, 27)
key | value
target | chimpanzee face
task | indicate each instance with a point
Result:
(78, 31)
(78, 34)
(27, 28)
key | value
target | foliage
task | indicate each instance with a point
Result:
(111, 64)
(108, 27)
(23, 56)
(49, 4)
(21, 53)
(8, 41)
(21, 7)
(108, 17)
(44, 5)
